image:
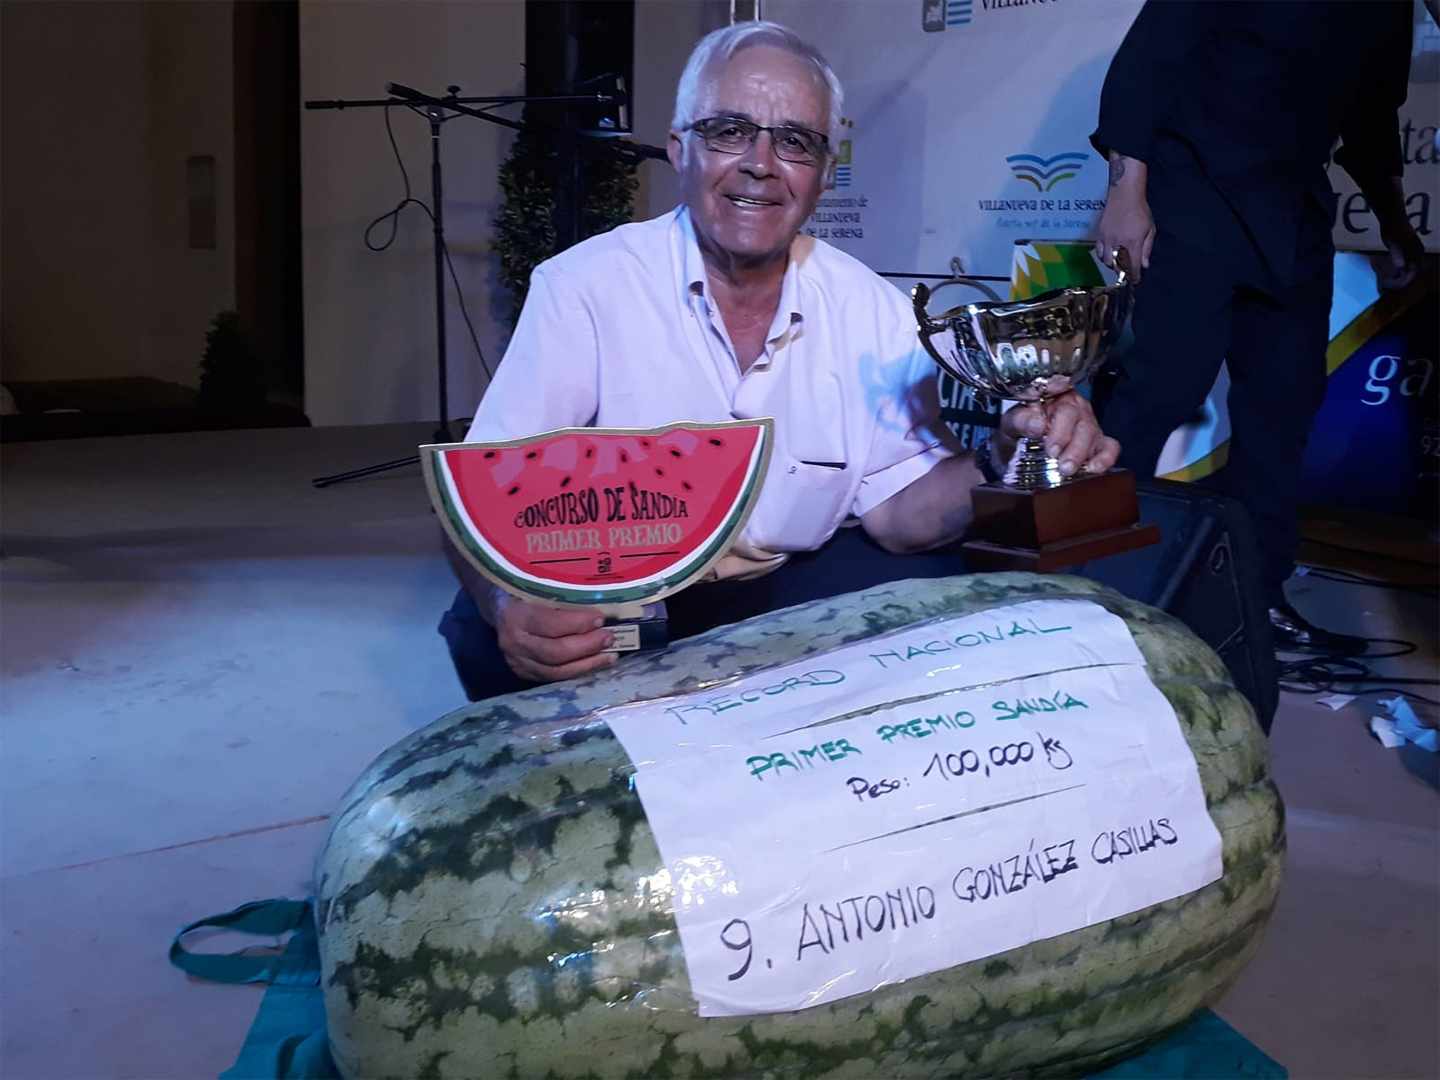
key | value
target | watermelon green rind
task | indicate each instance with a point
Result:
(438, 959)
(468, 537)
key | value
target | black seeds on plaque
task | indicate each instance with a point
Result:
(565, 482)
(716, 442)
(624, 458)
(686, 485)
(675, 453)
(589, 451)
(532, 455)
(489, 454)
(659, 471)
(645, 443)
(513, 490)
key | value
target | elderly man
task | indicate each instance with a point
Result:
(722, 310)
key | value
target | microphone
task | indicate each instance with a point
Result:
(643, 150)
(400, 90)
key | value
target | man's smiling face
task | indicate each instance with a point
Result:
(747, 207)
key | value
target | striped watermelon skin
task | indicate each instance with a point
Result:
(485, 907)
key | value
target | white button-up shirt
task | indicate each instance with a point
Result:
(622, 331)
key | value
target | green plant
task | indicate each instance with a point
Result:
(526, 231)
(230, 376)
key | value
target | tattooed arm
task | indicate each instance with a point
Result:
(1146, 73)
(1126, 221)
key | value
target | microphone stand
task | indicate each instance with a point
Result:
(437, 111)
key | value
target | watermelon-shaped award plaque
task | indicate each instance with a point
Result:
(600, 516)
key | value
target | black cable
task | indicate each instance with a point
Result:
(459, 295)
(394, 216)
(1398, 690)
(1390, 678)
(1323, 673)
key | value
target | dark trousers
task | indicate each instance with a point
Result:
(850, 561)
(1195, 308)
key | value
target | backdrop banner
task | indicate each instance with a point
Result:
(967, 127)
(966, 124)
(1375, 444)
(965, 141)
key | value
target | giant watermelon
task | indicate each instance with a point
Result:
(451, 859)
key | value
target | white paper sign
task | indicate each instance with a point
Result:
(1021, 777)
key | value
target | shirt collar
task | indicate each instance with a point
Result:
(696, 285)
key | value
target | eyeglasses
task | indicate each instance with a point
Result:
(732, 135)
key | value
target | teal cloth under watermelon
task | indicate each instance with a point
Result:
(287, 1040)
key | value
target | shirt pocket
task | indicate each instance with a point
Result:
(811, 483)
(800, 506)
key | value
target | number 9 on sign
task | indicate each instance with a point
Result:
(736, 935)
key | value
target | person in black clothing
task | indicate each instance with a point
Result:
(1218, 122)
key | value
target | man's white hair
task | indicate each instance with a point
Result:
(722, 44)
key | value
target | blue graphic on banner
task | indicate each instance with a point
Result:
(842, 176)
(1375, 444)
(1044, 173)
(957, 12)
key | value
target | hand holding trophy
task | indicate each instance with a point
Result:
(1033, 350)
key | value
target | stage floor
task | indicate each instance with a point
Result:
(200, 652)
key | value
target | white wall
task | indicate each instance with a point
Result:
(370, 317)
(100, 105)
(665, 32)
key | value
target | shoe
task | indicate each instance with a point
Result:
(1295, 633)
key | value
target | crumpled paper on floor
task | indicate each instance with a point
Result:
(1383, 728)
(1402, 726)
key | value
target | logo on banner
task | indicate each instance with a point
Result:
(840, 213)
(843, 166)
(845, 157)
(937, 15)
(1044, 173)
(1040, 212)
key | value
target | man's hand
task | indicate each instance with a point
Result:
(546, 644)
(1070, 430)
(1126, 221)
(1404, 251)
(936, 509)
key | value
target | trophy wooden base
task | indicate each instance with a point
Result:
(1052, 528)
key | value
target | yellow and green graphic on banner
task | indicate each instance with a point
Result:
(1379, 361)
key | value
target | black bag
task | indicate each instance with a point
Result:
(1205, 572)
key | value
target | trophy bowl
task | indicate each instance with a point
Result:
(1026, 350)
(1037, 518)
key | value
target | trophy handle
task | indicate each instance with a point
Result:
(1121, 255)
(919, 299)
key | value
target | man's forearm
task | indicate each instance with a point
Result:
(1386, 198)
(1128, 174)
(929, 513)
(487, 596)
